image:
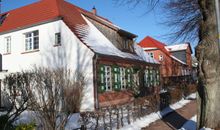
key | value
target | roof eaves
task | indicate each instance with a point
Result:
(32, 25)
(126, 33)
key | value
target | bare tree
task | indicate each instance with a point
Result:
(52, 94)
(18, 92)
(193, 19)
(58, 94)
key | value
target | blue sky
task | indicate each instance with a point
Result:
(134, 20)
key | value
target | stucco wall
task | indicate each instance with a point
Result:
(72, 54)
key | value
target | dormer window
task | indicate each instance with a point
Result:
(2, 18)
(32, 40)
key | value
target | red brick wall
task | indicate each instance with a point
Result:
(169, 67)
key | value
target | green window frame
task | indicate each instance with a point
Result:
(116, 80)
(129, 77)
(102, 87)
(123, 78)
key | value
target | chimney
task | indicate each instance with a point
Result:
(94, 11)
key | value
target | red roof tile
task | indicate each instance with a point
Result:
(43, 11)
(151, 42)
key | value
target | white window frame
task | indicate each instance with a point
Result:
(151, 54)
(7, 45)
(136, 78)
(30, 42)
(160, 57)
(123, 77)
(108, 78)
(146, 76)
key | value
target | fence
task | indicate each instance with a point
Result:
(118, 116)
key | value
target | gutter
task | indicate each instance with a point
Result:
(95, 59)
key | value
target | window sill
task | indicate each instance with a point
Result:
(6, 53)
(32, 51)
(56, 45)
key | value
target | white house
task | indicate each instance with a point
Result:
(55, 33)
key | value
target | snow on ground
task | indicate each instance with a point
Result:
(73, 122)
(191, 125)
(145, 121)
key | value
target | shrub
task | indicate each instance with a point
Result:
(30, 126)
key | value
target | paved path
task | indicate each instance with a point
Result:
(175, 119)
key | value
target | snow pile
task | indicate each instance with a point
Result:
(145, 121)
(191, 96)
(73, 122)
(190, 124)
(96, 41)
(206, 129)
(3, 113)
(30, 116)
(26, 117)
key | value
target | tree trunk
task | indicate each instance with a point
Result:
(208, 56)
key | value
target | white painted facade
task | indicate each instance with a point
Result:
(72, 54)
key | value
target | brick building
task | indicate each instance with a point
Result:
(176, 62)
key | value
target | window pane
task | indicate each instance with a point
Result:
(32, 40)
(36, 33)
(108, 78)
(36, 43)
(57, 38)
(8, 45)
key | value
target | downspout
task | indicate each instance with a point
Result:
(218, 19)
(0, 93)
(95, 59)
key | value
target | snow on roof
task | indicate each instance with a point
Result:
(177, 59)
(149, 48)
(96, 41)
(177, 47)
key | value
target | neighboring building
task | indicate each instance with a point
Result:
(175, 60)
(182, 52)
(55, 33)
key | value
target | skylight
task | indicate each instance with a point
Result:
(2, 18)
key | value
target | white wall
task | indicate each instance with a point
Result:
(72, 54)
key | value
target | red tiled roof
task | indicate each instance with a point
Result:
(43, 11)
(151, 42)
